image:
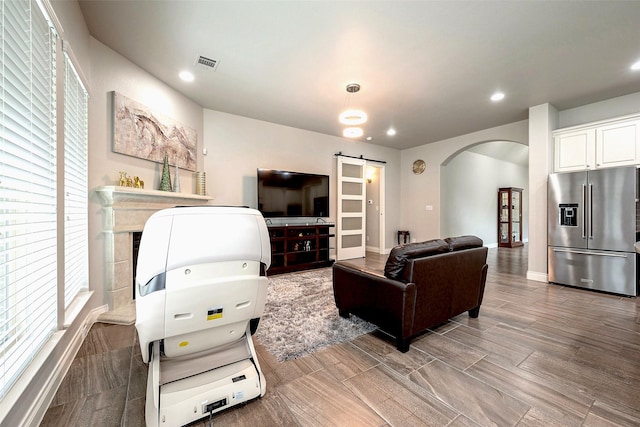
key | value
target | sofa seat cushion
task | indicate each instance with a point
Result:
(463, 242)
(400, 255)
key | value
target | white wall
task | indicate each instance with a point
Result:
(237, 146)
(469, 197)
(610, 108)
(112, 72)
(420, 191)
(542, 120)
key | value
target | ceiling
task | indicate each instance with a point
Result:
(426, 68)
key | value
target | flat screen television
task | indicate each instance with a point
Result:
(283, 194)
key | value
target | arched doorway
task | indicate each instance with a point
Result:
(469, 183)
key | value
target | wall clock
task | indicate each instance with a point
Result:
(418, 167)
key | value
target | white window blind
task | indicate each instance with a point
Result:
(27, 186)
(76, 251)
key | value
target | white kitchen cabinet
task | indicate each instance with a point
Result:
(598, 145)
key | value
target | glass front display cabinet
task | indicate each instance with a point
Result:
(510, 217)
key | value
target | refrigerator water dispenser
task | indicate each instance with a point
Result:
(568, 214)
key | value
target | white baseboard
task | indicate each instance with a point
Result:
(376, 249)
(537, 276)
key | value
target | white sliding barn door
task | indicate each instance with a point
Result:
(350, 241)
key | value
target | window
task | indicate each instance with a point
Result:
(28, 263)
(76, 107)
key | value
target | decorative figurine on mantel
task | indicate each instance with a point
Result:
(165, 182)
(138, 183)
(125, 181)
(176, 181)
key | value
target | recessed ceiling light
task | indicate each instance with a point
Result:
(353, 117)
(498, 96)
(352, 132)
(369, 138)
(636, 66)
(391, 132)
(187, 76)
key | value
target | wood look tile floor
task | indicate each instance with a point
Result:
(538, 355)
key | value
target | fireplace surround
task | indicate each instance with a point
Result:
(124, 212)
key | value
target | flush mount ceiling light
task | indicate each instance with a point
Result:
(352, 132)
(498, 96)
(391, 132)
(352, 116)
(635, 66)
(186, 76)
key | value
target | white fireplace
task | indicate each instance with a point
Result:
(125, 211)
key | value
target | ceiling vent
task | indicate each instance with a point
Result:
(207, 62)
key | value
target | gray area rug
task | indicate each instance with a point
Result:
(301, 316)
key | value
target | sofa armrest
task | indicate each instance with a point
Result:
(387, 303)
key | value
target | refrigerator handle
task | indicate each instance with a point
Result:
(590, 211)
(584, 211)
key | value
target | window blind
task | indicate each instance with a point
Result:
(27, 186)
(75, 183)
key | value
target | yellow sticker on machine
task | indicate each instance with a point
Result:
(214, 313)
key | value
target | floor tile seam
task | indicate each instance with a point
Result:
(589, 393)
(459, 411)
(627, 380)
(474, 348)
(468, 374)
(537, 336)
(538, 381)
(484, 354)
(616, 327)
(593, 341)
(496, 340)
(365, 370)
(605, 402)
(431, 360)
(372, 408)
(406, 377)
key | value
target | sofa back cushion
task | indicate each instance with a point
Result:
(463, 242)
(400, 255)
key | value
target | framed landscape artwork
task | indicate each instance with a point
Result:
(140, 133)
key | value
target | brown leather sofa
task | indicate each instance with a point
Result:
(423, 284)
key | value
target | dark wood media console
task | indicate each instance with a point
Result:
(299, 247)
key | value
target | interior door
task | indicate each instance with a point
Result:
(351, 212)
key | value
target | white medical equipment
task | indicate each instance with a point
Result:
(201, 287)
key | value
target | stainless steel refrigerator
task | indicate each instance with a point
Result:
(592, 228)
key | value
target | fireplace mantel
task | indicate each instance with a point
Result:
(125, 211)
(113, 194)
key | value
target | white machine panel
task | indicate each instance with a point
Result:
(200, 282)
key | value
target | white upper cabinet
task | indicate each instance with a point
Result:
(598, 145)
(575, 150)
